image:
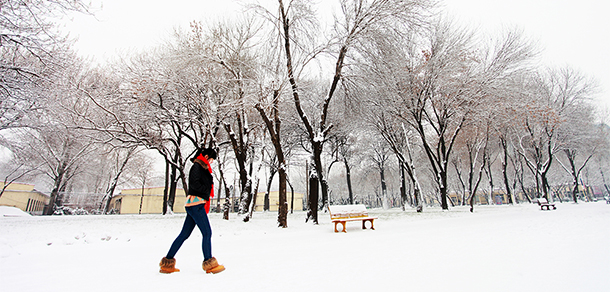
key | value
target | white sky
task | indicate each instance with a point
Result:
(122, 26)
(574, 33)
(570, 32)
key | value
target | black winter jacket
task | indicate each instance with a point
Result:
(200, 180)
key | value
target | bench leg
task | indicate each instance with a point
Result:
(342, 223)
(364, 226)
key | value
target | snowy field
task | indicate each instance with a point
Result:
(497, 248)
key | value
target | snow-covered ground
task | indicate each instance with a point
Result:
(497, 248)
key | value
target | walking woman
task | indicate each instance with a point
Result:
(201, 189)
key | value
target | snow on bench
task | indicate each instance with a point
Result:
(344, 213)
(543, 203)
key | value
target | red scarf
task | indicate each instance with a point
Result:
(207, 204)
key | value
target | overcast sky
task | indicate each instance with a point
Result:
(574, 33)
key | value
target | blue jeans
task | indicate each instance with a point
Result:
(195, 216)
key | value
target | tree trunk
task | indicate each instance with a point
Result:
(519, 174)
(543, 174)
(142, 197)
(545, 186)
(317, 158)
(115, 179)
(574, 171)
(166, 188)
(109, 194)
(456, 165)
(291, 196)
(254, 192)
(240, 149)
(226, 208)
(348, 177)
(404, 199)
(419, 203)
(604, 181)
(476, 186)
(410, 168)
(574, 178)
(283, 203)
(491, 180)
(246, 196)
(266, 199)
(384, 190)
(50, 208)
(313, 200)
(313, 185)
(223, 184)
(509, 193)
(252, 207)
(55, 196)
(173, 185)
(442, 181)
(274, 128)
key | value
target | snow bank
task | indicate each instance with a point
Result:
(6, 211)
(497, 248)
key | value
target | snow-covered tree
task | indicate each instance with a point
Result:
(580, 137)
(32, 51)
(303, 41)
(555, 96)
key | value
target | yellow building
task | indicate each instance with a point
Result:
(24, 197)
(151, 199)
(274, 201)
(499, 197)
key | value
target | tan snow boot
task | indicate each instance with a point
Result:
(212, 266)
(168, 266)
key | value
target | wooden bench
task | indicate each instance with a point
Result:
(345, 213)
(543, 203)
